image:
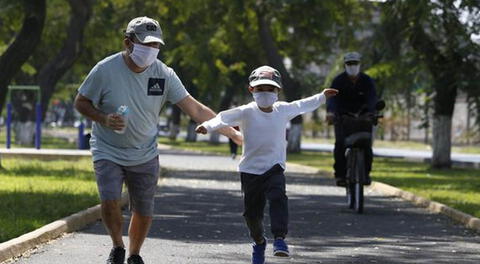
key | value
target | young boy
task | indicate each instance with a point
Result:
(263, 125)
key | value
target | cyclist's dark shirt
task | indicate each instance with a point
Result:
(352, 97)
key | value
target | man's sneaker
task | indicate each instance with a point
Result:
(135, 259)
(258, 254)
(117, 256)
(280, 248)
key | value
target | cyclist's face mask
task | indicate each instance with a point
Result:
(352, 68)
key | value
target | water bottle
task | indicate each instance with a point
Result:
(123, 112)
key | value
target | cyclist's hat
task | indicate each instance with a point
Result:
(145, 29)
(352, 56)
(265, 75)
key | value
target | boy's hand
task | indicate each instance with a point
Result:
(201, 130)
(237, 138)
(329, 92)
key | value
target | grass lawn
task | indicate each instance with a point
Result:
(410, 145)
(458, 188)
(47, 142)
(34, 193)
(198, 146)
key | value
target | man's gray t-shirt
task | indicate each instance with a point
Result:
(111, 84)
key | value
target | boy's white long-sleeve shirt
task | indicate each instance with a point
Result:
(264, 134)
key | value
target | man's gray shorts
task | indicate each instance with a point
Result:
(141, 181)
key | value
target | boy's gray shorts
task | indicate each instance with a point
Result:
(141, 181)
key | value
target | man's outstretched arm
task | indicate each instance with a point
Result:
(200, 113)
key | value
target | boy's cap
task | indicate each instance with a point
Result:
(147, 30)
(265, 75)
(352, 56)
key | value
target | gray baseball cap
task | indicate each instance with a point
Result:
(265, 75)
(145, 29)
(352, 56)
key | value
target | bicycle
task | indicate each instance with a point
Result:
(358, 130)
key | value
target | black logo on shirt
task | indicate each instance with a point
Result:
(156, 86)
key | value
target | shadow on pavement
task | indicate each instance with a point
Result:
(191, 207)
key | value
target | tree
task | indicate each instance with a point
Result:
(55, 69)
(303, 27)
(434, 31)
(23, 45)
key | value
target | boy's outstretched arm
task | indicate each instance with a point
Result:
(309, 104)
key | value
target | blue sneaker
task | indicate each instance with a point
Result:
(280, 248)
(258, 254)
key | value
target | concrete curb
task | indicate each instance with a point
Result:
(45, 154)
(467, 220)
(17, 246)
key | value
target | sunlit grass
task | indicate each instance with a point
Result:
(34, 193)
(458, 188)
(408, 145)
(47, 142)
(221, 148)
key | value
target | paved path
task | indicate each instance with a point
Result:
(198, 220)
(470, 160)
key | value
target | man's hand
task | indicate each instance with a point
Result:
(330, 118)
(201, 130)
(329, 92)
(114, 121)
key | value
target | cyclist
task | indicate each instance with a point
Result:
(356, 93)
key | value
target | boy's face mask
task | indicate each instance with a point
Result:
(265, 99)
(143, 56)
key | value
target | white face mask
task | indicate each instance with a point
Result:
(352, 70)
(143, 56)
(265, 99)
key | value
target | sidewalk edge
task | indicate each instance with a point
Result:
(467, 220)
(17, 246)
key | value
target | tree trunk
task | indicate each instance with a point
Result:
(409, 112)
(175, 122)
(426, 112)
(469, 112)
(445, 85)
(315, 121)
(53, 70)
(442, 136)
(23, 46)
(295, 138)
(291, 87)
(191, 134)
(214, 138)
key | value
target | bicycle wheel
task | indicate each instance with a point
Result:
(358, 197)
(350, 187)
(360, 172)
(350, 195)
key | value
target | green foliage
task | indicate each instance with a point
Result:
(213, 45)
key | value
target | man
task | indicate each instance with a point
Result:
(356, 92)
(134, 79)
